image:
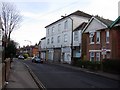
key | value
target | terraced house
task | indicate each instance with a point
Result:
(59, 36)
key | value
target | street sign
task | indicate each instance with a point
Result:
(103, 51)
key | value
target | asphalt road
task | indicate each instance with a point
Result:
(55, 76)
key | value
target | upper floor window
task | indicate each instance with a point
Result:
(52, 30)
(66, 24)
(52, 40)
(59, 27)
(97, 37)
(65, 38)
(107, 36)
(48, 31)
(58, 39)
(48, 41)
(91, 35)
(76, 36)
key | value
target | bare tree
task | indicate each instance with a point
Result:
(11, 18)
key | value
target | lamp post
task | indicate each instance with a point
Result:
(71, 39)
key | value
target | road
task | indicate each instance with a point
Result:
(56, 76)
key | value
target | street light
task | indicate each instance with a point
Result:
(71, 38)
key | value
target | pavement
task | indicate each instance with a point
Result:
(21, 76)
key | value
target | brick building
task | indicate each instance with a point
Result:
(97, 39)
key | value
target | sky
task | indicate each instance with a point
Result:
(39, 13)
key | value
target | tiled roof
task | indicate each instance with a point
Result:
(81, 13)
(105, 21)
(78, 13)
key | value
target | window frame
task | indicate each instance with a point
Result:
(65, 37)
(53, 30)
(76, 34)
(52, 40)
(66, 25)
(58, 39)
(92, 56)
(48, 41)
(97, 56)
(59, 27)
(107, 36)
(98, 37)
(91, 36)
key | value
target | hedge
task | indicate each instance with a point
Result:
(107, 65)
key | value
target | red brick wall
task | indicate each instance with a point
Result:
(115, 40)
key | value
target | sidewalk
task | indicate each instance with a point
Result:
(20, 76)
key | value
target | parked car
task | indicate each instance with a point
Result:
(20, 57)
(37, 60)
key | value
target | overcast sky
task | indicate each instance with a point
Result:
(39, 13)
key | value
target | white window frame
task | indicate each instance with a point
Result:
(91, 35)
(53, 30)
(59, 27)
(65, 37)
(97, 56)
(92, 55)
(98, 37)
(58, 39)
(48, 41)
(107, 36)
(48, 31)
(66, 25)
(52, 40)
(76, 35)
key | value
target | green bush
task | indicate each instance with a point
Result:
(25, 56)
(111, 66)
(88, 64)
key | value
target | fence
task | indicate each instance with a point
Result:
(4, 72)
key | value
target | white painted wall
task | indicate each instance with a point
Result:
(64, 45)
(95, 25)
(43, 44)
(77, 20)
(77, 43)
